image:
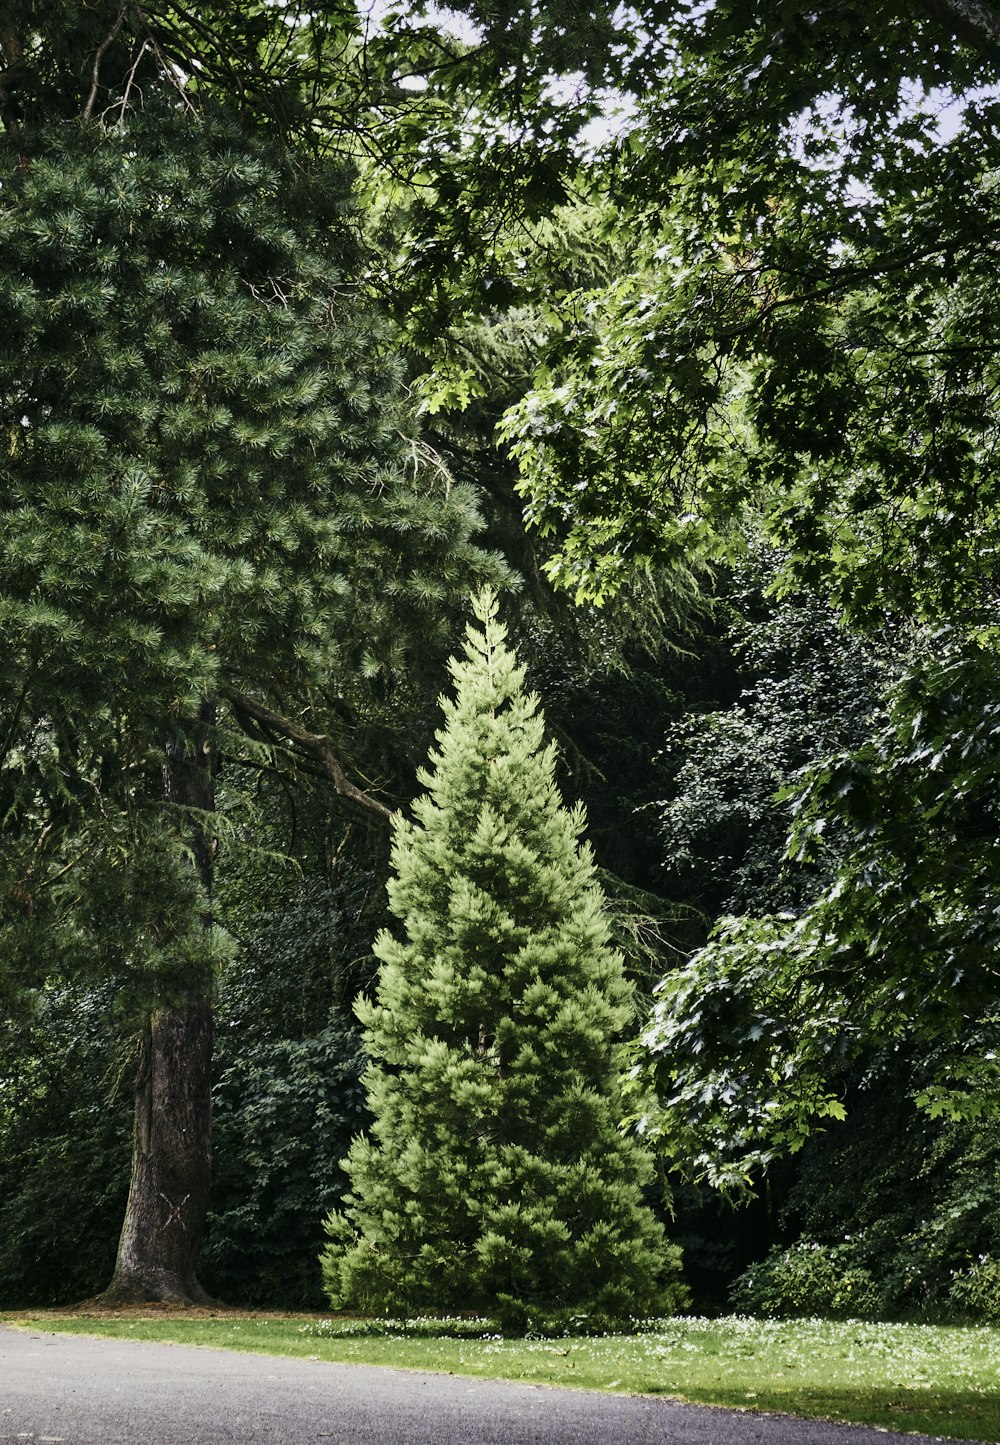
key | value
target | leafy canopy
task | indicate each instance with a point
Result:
(808, 328)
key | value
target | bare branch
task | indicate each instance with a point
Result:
(172, 72)
(313, 743)
(131, 79)
(88, 109)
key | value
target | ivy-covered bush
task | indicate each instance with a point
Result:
(286, 1098)
(65, 1116)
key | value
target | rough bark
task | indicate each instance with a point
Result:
(11, 75)
(171, 1161)
(171, 1141)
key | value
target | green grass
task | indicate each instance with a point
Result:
(922, 1378)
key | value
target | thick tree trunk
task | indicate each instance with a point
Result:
(171, 1161)
(171, 1140)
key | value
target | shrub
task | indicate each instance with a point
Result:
(284, 1116)
(808, 1279)
(975, 1291)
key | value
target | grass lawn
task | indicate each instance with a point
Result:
(904, 1377)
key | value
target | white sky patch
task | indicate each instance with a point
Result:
(618, 111)
(951, 106)
(828, 119)
(454, 22)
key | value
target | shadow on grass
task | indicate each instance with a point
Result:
(960, 1414)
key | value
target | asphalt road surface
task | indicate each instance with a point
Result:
(63, 1388)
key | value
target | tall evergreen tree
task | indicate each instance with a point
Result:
(206, 507)
(496, 1176)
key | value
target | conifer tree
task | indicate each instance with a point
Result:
(495, 1177)
(209, 519)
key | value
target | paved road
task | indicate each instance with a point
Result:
(61, 1388)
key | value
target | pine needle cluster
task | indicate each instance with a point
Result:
(204, 483)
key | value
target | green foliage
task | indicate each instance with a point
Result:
(204, 484)
(287, 1097)
(286, 1102)
(284, 1115)
(808, 1281)
(808, 687)
(210, 416)
(749, 1041)
(803, 331)
(305, 946)
(277, 65)
(64, 1148)
(975, 1291)
(283, 982)
(807, 327)
(741, 1051)
(486, 151)
(893, 1201)
(918, 803)
(495, 1176)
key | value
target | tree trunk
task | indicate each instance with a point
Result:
(171, 1161)
(171, 1139)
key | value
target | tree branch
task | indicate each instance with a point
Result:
(313, 743)
(88, 109)
(13, 58)
(972, 21)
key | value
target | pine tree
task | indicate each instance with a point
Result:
(496, 1177)
(208, 517)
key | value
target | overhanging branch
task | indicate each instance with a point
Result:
(972, 21)
(95, 79)
(315, 744)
